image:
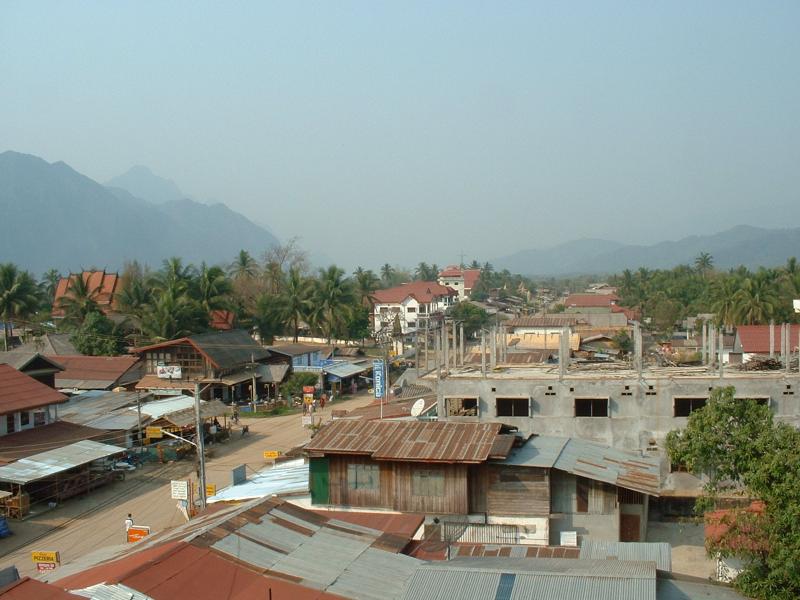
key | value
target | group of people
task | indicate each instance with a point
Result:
(309, 408)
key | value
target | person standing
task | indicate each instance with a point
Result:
(128, 525)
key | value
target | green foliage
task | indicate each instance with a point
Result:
(19, 296)
(623, 342)
(473, 317)
(738, 446)
(358, 323)
(98, 336)
(294, 385)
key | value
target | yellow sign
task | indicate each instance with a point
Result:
(271, 454)
(211, 490)
(153, 432)
(45, 557)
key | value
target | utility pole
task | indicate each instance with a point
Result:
(198, 428)
(139, 413)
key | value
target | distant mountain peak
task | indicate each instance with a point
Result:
(140, 181)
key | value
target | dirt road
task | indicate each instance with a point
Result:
(82, 525)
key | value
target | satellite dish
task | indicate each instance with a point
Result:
(418, 407)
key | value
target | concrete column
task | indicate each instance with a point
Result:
(721, 345)
(446, 346)
(461, 344)
(705, 343)
(455, 346)
(772, 339)
(493, 341)
(483, 352)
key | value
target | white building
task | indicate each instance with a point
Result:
(461, 280)
(413, 303)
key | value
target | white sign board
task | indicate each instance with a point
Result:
(179, 490)
(168, 371)
(569, 538)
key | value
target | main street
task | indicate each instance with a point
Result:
(82, 525)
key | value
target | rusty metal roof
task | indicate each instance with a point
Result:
(622, 468)
(410, 440)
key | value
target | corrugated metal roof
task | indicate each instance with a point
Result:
(55, 461)
(208, 409)
(272, 373)
(346, 369)
(101, 591)
(622, 468)
(535, 579)
(546, 321)
(408, 440)
(96, 372)
(658, 552)
(288, 477)
(225, 349)
(375, 575)
(20, 392)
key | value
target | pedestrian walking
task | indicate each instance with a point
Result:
(128, 525)
(322, 400)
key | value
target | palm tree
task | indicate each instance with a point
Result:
(80, 299)
(174, 275)
(422, 272)
(296, 299)
(243, 267)
(49, 284)
(704, 263)
(269, 317)
(212, 288)
(366, 282)
(387, 274)
(18, 296)
(171, 315)
(756, 301)
(724, 302)
(334, 294)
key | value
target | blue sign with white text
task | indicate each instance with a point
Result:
(377, 375)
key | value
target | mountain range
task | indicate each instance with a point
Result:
(752, 247)
(55, 217)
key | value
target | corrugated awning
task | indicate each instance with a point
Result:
(345, 369)
(238, 377)
(55, 461)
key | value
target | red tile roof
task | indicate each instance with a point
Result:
(590, 300)
(424, 292)
(222, 320)
(32, 589)
(470, 276)
(733, 529)
(93, 368)
(106, 285)
(20, 392)
(408, 440)
(46, 437)
(755, 338)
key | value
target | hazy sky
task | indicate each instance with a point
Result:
(414, 131)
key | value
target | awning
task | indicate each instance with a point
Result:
(272, 373)
(345, 369)
(153, 382)
(236, 378)
(45, 464)
(208, 410)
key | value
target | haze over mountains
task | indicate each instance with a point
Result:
(752, 247)
(58, 218)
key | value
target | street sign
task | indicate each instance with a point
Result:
(377, 375)
(211, 490)
(271, 454)
(43, 567)
(45, 557)
(153, 432)
(137, 532)
(179, 489)
(308, 389)
(308, 421)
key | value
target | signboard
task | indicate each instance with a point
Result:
(137, 532)
(43, 567)
(179, 489)
(168, 371)
(308, 421)
(271, 454)
(377, 375)
(239, 474)
(211, 490)
(153, 432)
(45, 557)
(308, 389)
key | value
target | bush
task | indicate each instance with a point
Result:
(294, 385)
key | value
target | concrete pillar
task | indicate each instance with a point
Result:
(705, 343)
(446, 346)
(493, 341)
(772, 339)
(455, 345)
(483, 352)
(721, 345)
(461, 344)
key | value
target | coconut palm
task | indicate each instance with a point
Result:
(211, 288)
(704, 263)
(387, 274)
(756, 301)
(269, 317)
(243, 267)
(366, 282)
(174, 275)
(48, 285)
(296, 299)
(724, 300)
(19, 296)
(80, 299)
(333, 296)
(170, 315)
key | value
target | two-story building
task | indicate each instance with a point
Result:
(459, 279)
(481, 476)
(412, 304)
(225, 363)
(25, 403)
